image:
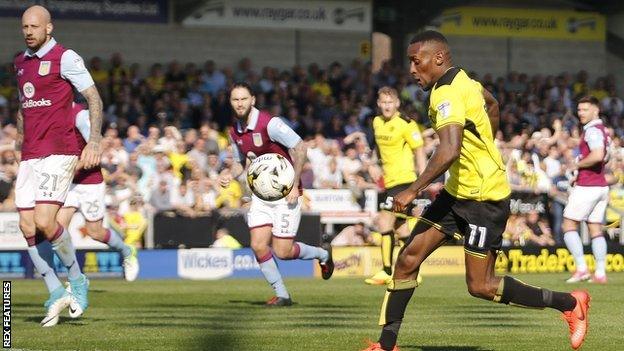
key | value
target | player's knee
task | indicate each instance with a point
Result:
(406, 262)
(480, 290)
(27, 227)
(46, 225)
(259, 248)
(95, 230)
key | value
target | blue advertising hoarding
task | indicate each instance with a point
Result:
(200, 264)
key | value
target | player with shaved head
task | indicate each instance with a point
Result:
(474, 202)
(51, 151)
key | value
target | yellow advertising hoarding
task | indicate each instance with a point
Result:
(550, 260)
(528, 23)
(366, 260)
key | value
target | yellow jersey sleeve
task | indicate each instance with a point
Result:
(412, 136)
(448, 107)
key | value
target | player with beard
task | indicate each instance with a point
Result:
(273, 224)
(46, 74)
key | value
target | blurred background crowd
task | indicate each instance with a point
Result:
(165, 142)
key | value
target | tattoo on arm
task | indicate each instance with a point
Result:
(20, 131)
(95, 113)
(299, 157)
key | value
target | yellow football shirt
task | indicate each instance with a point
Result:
(479, 172)
(229, 196)
(178, 160)
(396, 139)
(135, 227)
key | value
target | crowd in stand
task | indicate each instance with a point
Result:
(165, 144)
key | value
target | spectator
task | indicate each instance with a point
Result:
(133, 139)
(332, 178)
(353, 235)
(161, 198)
(538, 232)
(230, 196)
(223, 239)
(198, 154)
(212, 80)
(184, 201)
(134, 224)
(179, 160)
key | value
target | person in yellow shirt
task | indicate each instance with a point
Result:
(99, 75)
(400, 147)
(179, 159)
(229, 196)
(474, 202)
(134, 224)
(321, 86)
(223, 239)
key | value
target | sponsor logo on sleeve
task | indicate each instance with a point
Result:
(444, 109)
(79, 63)
(416, 136)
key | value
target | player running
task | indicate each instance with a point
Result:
(590, 195)
(273, 224)
(399, 144)
(49, 144)
(474, 202)
(87, 195)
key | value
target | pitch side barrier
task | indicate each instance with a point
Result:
(197, 264)
(217, 263)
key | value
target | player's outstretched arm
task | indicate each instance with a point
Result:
(447, 152)
(92, 152)
(493, 110)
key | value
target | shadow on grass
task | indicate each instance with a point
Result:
(443, 348)
(27, 304)
(63, 320)
(256, 303)
(224, 337)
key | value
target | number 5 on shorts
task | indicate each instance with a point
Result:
(284, 223)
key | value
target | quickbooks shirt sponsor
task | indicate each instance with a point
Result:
(36, 103)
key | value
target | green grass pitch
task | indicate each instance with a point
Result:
(335, 315)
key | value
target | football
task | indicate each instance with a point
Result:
(270, 176)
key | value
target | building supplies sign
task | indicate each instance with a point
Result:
(528, 23)
(317, 15)
(108, 10)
